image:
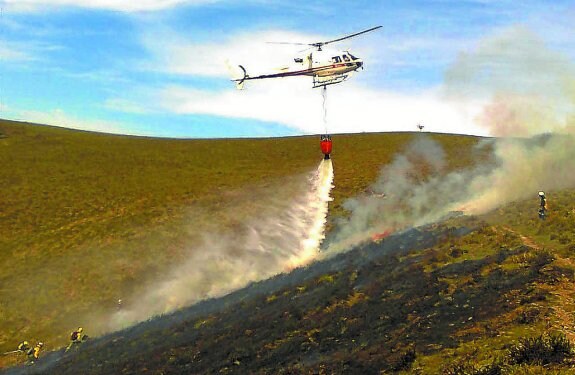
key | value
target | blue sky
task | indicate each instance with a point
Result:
(159, 67)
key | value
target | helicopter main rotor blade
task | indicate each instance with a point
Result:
(320, 44)
(346, 37)
(290, 43)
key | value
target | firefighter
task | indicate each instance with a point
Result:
(23, 347)
(34, 353)
(542, 205)
(76, 337)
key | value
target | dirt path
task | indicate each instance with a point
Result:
(563, 306)
(527, 241)
(564, 309)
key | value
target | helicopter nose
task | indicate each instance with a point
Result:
(359, 64)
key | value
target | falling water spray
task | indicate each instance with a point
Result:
(286, 233)
(318, 207)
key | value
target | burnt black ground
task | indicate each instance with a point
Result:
(142, 348)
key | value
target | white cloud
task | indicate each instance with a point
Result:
(350, 108)
(115, 5)
(25, 50)
(291, 101)
(175, 54)
(123, 105)
(58, 117)
(9, 51)
(513, 60)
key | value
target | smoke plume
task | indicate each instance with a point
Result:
(524, 168)
(531, 91)
(412, 190)
(286, 233)
(530, 87)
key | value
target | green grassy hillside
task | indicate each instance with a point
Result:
(472, 295)
(87, 217)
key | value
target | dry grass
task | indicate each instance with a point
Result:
(87, 217)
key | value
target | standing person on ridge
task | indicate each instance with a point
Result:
(542, 205)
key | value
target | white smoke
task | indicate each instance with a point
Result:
(532, 92)
(414, 189)
(530, 87)
(524, 168)
(286, 233)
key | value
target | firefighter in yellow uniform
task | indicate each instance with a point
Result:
(23, 347)
(34, 352)
(76, 337)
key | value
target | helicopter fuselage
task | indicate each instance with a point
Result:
(320, 66)
(325, 68)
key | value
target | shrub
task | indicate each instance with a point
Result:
(466, 368)
(553, 236)
(528, 316)
(455, 252)
(541, 350)
(404, 360)
(494, 368)
(457, 368)
(564, 240)
(541, 259)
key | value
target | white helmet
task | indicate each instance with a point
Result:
(541, 194)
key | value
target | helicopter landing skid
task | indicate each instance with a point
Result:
(328, 80)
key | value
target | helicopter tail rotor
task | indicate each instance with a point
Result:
(242, 74)
(240, 84)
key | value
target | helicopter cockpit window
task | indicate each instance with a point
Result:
(336, 59)
(352, 56)
(345, 58)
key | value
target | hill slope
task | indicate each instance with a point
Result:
(88, 218)
(465, 296)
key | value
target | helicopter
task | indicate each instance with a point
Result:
(325, 68)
